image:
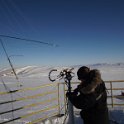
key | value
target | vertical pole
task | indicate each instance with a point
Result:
(111, 95)
(58, 100)
(70, 106)
(70, 113)
(65, 100)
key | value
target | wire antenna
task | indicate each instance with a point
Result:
(29, 40)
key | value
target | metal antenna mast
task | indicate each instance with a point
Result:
(9, 59)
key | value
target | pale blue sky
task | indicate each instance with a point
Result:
(86, 32)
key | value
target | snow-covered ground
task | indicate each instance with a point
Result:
(35, 76)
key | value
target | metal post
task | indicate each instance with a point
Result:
(70, 113)
(111, 94)
(58, 100)
(70, 106)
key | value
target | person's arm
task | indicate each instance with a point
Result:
(82, 101)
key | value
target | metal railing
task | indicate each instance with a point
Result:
(46, 99)
(112, 89)
(110, 92)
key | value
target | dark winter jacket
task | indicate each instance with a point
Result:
(91, 100)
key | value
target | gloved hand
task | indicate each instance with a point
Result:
(67, 94)
(76, 91)
(79, 87)
(71, 94)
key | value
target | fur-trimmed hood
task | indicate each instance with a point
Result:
(94, 80)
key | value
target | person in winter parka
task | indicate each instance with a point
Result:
(90, 96)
